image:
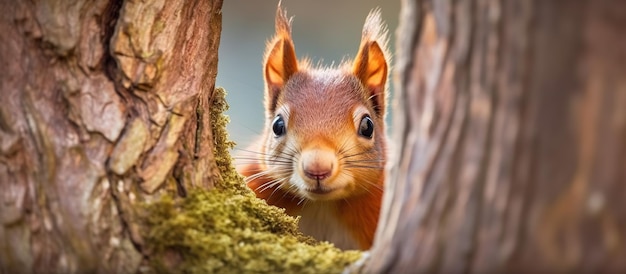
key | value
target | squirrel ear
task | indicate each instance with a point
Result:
(280, 59)
(370, 65)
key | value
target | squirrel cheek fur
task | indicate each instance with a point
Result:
(322, 153)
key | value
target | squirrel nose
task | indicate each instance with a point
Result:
(318, 164)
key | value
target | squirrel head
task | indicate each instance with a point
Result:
(325, 132)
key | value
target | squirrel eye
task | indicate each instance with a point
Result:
(278, 126)
(366, 127)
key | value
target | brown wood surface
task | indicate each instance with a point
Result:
(510, 139)
(103, 104)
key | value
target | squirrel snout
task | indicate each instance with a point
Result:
(318, 164)
(318, 173)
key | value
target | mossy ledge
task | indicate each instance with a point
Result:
(228, 230)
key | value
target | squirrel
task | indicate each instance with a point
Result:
(323, 150)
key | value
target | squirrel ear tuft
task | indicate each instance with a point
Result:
(371, 64)
(280, 59)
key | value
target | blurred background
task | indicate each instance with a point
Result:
(326, 31)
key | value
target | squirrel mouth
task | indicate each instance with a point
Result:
(320, 191)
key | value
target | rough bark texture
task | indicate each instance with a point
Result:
(103, 106)
(510, 137)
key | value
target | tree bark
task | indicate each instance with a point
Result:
(103, 106)
(510, 136)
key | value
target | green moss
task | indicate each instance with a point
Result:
(229, 230)
(231, 180)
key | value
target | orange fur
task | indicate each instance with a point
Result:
(323, 149)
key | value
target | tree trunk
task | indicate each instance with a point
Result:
(510, 139)
(102, 107)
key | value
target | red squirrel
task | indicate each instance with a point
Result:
(322, 153)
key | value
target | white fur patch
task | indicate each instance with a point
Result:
(319, 221)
